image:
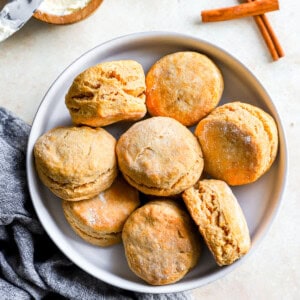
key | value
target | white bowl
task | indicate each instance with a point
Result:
(260, 201)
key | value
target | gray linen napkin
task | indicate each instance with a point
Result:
(31, 266)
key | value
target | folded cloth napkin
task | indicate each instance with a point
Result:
(31, 266)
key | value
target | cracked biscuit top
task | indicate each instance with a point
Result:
(159, 156)
(107, 93)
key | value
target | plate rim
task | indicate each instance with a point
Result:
(179, 286)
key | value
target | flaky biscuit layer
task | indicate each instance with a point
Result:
(107, 93)
(100, 220)
(76, 163)
(219, 218)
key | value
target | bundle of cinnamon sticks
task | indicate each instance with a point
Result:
(257, 9)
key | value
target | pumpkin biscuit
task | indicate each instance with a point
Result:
(100, 220)
(76, 163)
(220, 219)
(239, 142)
(159, 156)
(161, 242)
(185, 86)
(107, 93)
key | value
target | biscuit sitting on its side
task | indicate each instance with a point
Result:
(220, 219)
(161, 242)
(183, 85)
(76, 163)
(239, 142)
(107, 93)
(100, 220)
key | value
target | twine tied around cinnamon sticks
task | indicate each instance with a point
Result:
(256, 9)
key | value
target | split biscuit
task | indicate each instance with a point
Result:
(185, 86)
(161, 242)
(107, 93)
(100, 220)
(159, 156)
(239, 142)
(76, 163)
(220, 219)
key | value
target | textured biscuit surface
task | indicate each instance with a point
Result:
(239, 142)
(183, 85)
(220, 219)
(159, 156)
(76, 163)
(100, 220)
(107, 93)
(161, 242)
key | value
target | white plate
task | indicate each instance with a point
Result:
(260, 201)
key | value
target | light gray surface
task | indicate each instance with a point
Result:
(33, 57)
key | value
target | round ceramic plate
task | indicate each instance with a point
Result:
(260, 201)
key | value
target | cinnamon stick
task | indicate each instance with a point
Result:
(252, 8)
(269, 35)
(266, 36)
(273, 36)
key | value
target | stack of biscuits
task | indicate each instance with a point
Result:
(160, 187)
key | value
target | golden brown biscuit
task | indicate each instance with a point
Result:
(107, 93)
(161, 242)
(76, 163)
(239, 142)
(100, 220)
(183, 85)
(159, 156)
(220, 219)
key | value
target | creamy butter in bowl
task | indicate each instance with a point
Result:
(65, 11)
